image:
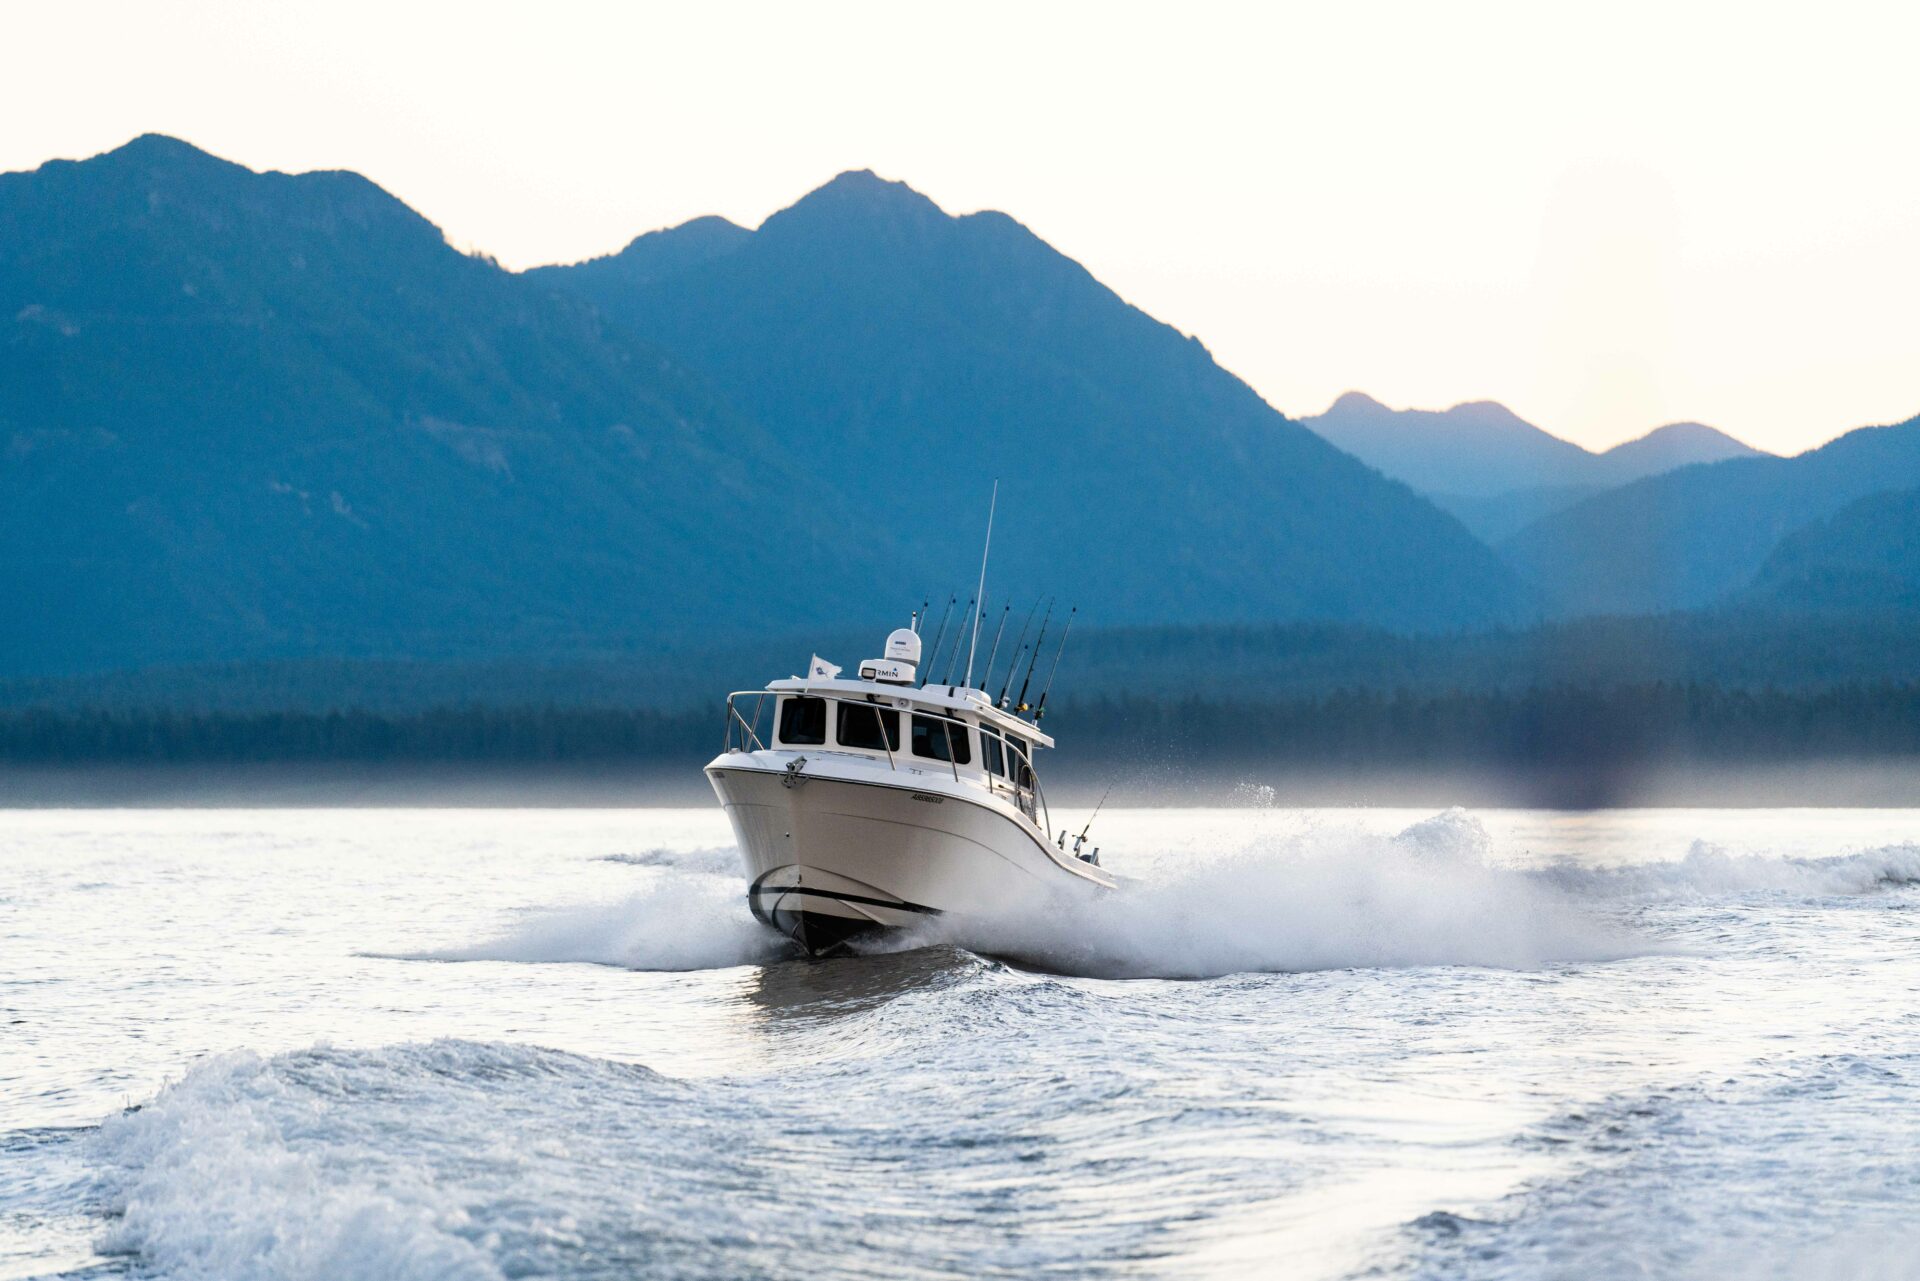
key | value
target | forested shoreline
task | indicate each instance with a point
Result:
(1555, 726)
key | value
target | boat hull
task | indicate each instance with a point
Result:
(832, 857)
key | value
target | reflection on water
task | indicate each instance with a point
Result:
(836, 987)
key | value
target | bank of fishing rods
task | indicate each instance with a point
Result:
(1006, 700)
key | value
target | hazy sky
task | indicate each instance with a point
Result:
(1606, 216)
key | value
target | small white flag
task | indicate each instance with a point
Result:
(821, 669)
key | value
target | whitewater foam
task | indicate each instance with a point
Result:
(715, 860)
(1322, 897)
(682, 919)
(241, 1171)
(472, 1161)
(1322, 900)
(1709, 871)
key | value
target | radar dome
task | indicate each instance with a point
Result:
(903, 646)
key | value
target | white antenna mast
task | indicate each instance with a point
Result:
(975, 642)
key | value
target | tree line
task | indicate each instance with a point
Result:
(1283, 662)
(1554, 725)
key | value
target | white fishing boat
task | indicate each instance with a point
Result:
(874, 802)
(871, 803)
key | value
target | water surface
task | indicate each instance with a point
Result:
(330, 1043)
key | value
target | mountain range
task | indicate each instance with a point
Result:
(1866, 556)
(1496, 471)
(261, 415)
(1683, 518)
(907, 357)
(1703, 535)
(266, 414)
(253, 417)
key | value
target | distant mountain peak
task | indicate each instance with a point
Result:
(1692, 431)
(706, 231)
(185, 168)
(858, 197)
(1484, 411)
(162, 151)
(1671, 446)
(708, 224)
(1477, 448)
(160, 144)
(1490, 411)
(858, 200)
(1480, 449)
(158, 176)
(864, 183)
(655, 255)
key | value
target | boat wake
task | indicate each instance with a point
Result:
(457, 1160)
(685, 918)
(1709, 872)
(1323, 901)
(323, 1163)
(1326, 899)
(717, 859)
(1813, 1123)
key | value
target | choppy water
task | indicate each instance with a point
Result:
(409, 1044)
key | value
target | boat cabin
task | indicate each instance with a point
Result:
(830, 718)
(884, 716)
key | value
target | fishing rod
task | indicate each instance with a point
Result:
(954, 659)
(934, 657)
(1019, 648)
(1021, 704)
(1080, 839)
(980, 592)
(1041, 710)
(986, 677)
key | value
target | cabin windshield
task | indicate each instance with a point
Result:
(866, 724)
(803, 721)
(939, 740)
(861, 727)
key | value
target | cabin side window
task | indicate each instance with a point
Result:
(862, 724)
(1018, 767)
(990, 752)
(803, 722)
(937, 740)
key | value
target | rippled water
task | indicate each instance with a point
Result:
(412, 1044)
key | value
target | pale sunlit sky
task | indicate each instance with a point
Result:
(1606, 216)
